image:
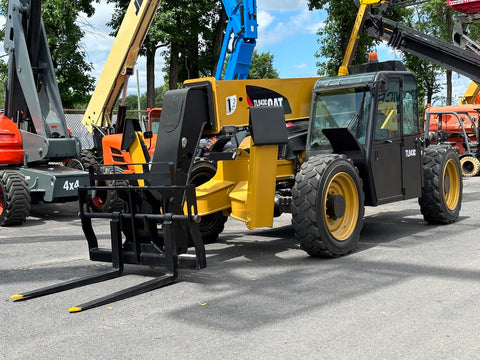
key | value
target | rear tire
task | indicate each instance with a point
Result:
(211, 225)
(442, 192)
(108, 200)
(327, 206)
(84, 160)
(14, 198)
(470, 166)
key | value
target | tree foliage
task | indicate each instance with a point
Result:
(191, 31)
(188, 32)
(262, 66)
(440, 25)
(436, 19)
(131, 101)
(334, 35)
(64, 39)
(425, 72)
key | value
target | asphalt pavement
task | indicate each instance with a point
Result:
(409, 291)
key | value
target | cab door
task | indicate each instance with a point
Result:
(412, 151)
(386, 156)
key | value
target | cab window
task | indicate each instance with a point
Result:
(388, 113)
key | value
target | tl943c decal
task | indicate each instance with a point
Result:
(260, 96)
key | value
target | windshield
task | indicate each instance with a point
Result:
(344, 108)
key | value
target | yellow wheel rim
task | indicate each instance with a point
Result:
(341, 228)
(451, 184)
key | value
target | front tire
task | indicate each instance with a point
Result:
(213, 224)
(14, 198)
(327, 206)
(442, 191)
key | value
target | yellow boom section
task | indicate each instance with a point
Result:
(355, 35)
(470, 94)
(120, 62)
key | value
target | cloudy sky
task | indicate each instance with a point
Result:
(286, 29)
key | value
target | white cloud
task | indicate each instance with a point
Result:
(275, 28)
(300, 67)
(140, 66)
(264, 19)
(97, 24)
(98, 43)
(301, 70)
(278, 20)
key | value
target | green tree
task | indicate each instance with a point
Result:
(335, 34)
(425, 72)
(262, 66)
(426, 75)
(148, 49)
(190, 34)
(64, 40)
(131, 101)
(437, 19)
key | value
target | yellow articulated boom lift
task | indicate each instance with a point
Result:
(120, 63)
(320, 149)
(112, 81)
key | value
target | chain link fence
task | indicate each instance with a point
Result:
(74, 122)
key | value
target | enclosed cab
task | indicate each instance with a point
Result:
(372, 118)
(364, 148)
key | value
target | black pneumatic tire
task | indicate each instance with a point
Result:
(210, 225)
(442, 192)
(87, 158)
(14, 198)
(83, 161)
(108, 199)
(327, 206)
